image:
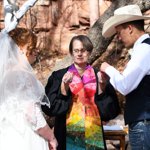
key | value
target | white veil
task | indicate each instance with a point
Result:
(17, 78)
(18, 82)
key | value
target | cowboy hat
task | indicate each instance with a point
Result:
(122, 15)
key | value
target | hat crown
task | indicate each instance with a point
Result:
(122, 15)
(128, 10)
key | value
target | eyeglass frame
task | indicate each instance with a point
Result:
(79, 50)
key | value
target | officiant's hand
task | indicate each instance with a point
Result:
(67, 78)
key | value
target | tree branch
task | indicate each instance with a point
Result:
(13, 15)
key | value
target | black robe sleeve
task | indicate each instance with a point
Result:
(107, 102)
(59, 103)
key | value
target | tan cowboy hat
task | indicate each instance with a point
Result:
(122, 15)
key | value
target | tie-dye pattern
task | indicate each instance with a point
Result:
(84, 130)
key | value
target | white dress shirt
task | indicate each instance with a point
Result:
(136, 68)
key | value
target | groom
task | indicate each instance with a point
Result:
(134, 82)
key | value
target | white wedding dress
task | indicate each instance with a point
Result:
(20, 116)
(21, 94)
(16, 133)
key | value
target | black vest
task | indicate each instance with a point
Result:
(137, 105)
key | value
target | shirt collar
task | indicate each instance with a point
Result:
(141, 39)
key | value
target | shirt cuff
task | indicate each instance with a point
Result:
(110, 71)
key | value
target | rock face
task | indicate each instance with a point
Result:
(54, 23)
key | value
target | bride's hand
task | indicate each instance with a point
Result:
(53, 144)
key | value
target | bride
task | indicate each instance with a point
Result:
(22, 125)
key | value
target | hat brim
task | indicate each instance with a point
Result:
(109, 26)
